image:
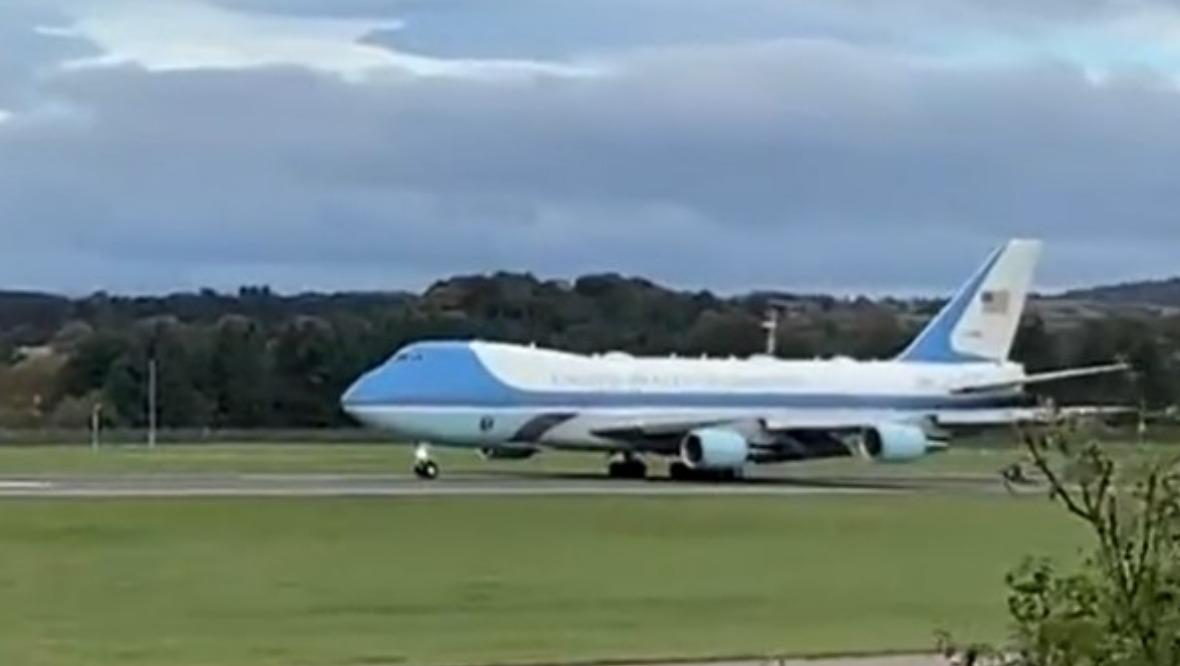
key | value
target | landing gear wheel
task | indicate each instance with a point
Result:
(679, 471)
(424, 465)
(426, 469)
(629, 468)
(1014, 473)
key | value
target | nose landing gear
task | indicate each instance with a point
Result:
(424, 465)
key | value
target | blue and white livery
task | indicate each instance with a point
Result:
(716, 416)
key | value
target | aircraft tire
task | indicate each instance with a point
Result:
(627, 469)
(426, 469)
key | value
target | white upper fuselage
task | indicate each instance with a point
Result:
(542, 373)
(452, 391)
(553, 371)
(612, 371)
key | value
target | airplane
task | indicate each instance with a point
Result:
(716, 416)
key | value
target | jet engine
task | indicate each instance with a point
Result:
(507, 452)
(895, 442)
(714, 449)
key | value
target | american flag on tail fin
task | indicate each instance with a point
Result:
(994, 302)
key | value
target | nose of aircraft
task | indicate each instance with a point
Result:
(362, 391)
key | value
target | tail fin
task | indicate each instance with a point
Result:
(980, 321)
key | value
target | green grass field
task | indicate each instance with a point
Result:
(475, 580)
(432, 580)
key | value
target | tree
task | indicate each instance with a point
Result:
(256, 358)
(236, 374)
(305, 364)
(1121, 606)
(1155, 373)
(1034, 346)
(881, 335)
(91, 361)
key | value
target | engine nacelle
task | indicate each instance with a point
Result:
(714, 448)
(896, 442)
(507, 452)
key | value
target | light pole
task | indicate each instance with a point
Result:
(95, 424)
(151, 402)
(774, 310)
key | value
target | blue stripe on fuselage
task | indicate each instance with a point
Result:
(449, 374)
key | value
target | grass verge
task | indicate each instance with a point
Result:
(474, 580)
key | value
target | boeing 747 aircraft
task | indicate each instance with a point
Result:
(716, 416)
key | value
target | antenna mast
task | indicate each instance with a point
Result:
(771, 326)
(774, 310)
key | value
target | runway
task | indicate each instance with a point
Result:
(483, 484)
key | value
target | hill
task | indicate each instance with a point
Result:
(1164, 292)
(31, 318)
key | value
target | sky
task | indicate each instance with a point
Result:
(849, 146)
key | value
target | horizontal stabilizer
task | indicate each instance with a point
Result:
(1042, 377)
(980, 418)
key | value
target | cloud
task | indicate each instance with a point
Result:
(801, 145)
(181, 35)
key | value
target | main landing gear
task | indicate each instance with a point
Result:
(628, 467)
(424, 466)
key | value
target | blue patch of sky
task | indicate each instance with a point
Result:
(552, 29)
(1092, 50)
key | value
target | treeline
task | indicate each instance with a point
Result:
(260, 360)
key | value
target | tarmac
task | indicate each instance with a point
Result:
(470, 484)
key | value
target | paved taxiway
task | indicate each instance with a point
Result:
(362, 485)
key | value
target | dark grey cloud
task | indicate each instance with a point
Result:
(793, 163)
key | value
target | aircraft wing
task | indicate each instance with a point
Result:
(808, 433)
(631, 430)
(788, 435)
(1041, 377)
(647, 426)
(1023, 415)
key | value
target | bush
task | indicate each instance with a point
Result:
(1121, 605)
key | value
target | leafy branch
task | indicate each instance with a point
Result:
(1121, 606)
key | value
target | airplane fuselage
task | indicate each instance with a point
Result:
(718, 415)
(481, 394)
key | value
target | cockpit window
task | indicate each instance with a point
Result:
(401, 357)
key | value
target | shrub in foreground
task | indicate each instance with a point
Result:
(1121, 605)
